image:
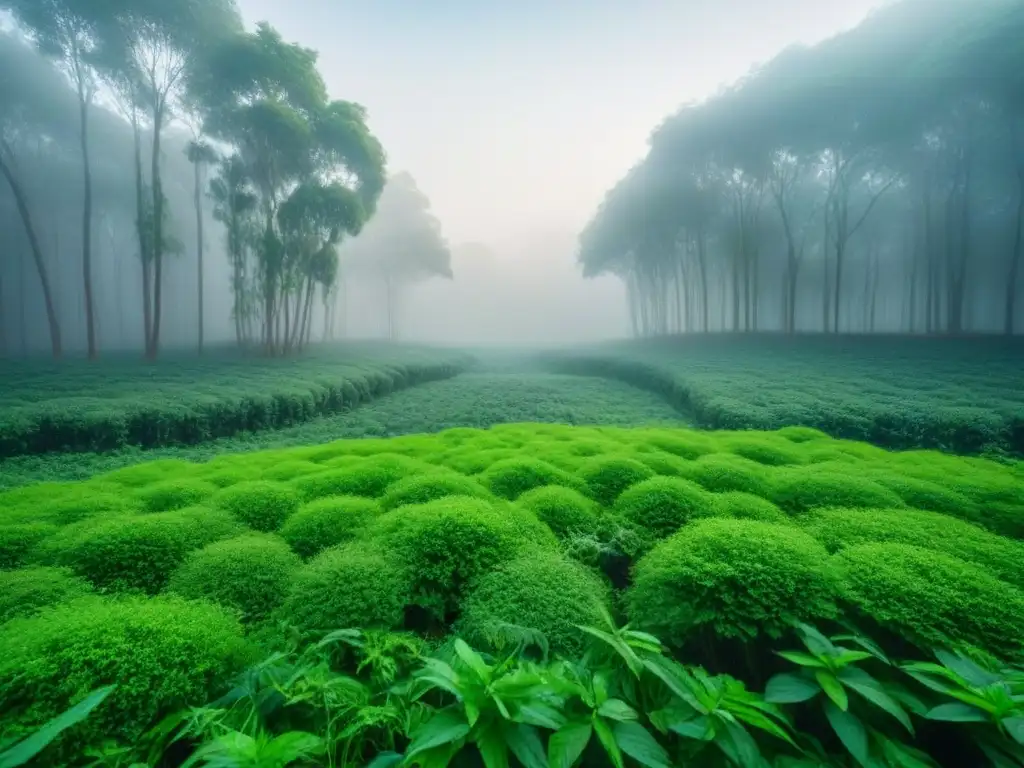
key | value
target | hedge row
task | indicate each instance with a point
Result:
(189, 402)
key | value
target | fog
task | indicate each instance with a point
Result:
(526, 145)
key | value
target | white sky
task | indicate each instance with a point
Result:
(516, 117)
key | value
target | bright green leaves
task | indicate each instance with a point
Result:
(23, 751)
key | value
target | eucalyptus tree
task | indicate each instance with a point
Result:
(201, 155)
(235, 204)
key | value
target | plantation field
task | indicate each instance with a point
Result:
(715, 541)
(79, 406)
(960, 395)
(467, 400)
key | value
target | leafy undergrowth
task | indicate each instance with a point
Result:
(958, 395)
(77, 406)
(468, 400)
(164, 577)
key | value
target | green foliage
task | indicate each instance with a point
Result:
(363, 479)
(725, 472)
(800, 490)
(327, 522)
(251, 573)
(162, 653)
(931, 598)
(430, 487)
(736, 578)
(511, 478)
(564, 510)
(135, 553)
(448, 545)
(663, 505)
(25, 591)
(747, 506)
(261, 505)
(545, 593)
(175, 494)
(16, 541)
(349, 586)
(606, 478)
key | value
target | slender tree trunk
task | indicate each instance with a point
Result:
(1009, 320)
(37, 254)
(158, 232)
(198, 196)
(84, 100)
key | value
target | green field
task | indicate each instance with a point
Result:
(507, 502)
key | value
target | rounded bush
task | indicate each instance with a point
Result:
(804, 489)
(802, 434)
(363, 479)
(17, 541)
(663, 505)
(150, 472)
(164, 654)
(922, 494)
(721, 472)
(447, 545)
(135, 552)
(430, 487)
(548, 593)
(175, 494)
(345, 587)
(84, 503)
(608, 476)
(25, 591)
(260, 504)
(747, 506)
(736, 578)
(290, 470)
(250, 573)
(932, 599)
(764, 449)
(328, 522)
(511, 478)
(564, 510)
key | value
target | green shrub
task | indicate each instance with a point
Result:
(169, 495)
(931, 598)
(839, 528)
(663, 505)
(922, 494)
(430, 487)
(564, 510)
(150, 472)
(25, 591)
(163, 653)
(347, 587)
(747, 506)
(86, 502)
(800, 490)
(764, 448)
(737, 578)
(447, 545)
(721, 472)
(802, 434)
(328, 522)
(546, 593)
(290, 470)
(135, 552)
(608, 476)
(662, 463)
(260, 504)
(250, 573)
(511, 478)
(363, 479)
(17, 541)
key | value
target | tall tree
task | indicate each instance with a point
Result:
(201, 155)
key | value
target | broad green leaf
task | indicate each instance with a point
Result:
(872, 690)
(637, 742)
(868, 645)
(901, 756)
(816, 642)
(386, 760)
(698, 728)
(833, 689)
(788, 688)
(526, 745)
(446, 726)
(607, 739)
(850, 731)
(676, 678)
(757, 719)
(739, 746)
(1015, 727)
(542, 715)
(32, 745)
(846, 658)
(473, 660)
(803, 659)
(567, 744)
(957, 712)
(617, 709)
(490, 741)
(967, 669)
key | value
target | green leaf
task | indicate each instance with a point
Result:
(32, 745)
(542, 715)
(739, 746)
(757, 719)
(833, 688)
(526, 745)
(872, 690)
(901, 756)
(617, 709)
(473, 660)
(803, 659)
(846, 658)
(607, 739)
(446, 726)
(490, 741)
(967, 669)
(386, 760)
(788, 688)
(698, 728)
(1015, 727)
(868, 645)
(850, 731)
(675, 677)
(957, 712)
(566, 745)
(816, 643)
(637, 742)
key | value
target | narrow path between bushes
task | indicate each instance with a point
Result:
(481, 399)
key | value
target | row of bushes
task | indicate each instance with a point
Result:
(885, 391)
(134, 409)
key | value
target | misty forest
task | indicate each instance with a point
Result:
(290, 476)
